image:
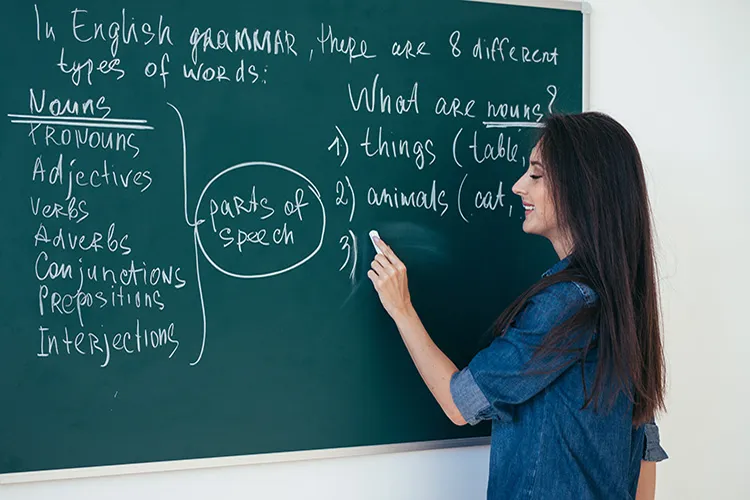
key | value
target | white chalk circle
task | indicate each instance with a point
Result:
(256, 165)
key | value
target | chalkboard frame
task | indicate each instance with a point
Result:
(294, 456)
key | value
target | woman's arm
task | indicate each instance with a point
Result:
(647, 481)
(499, 377)
(433, 365)
(652, 453)
(388, 274)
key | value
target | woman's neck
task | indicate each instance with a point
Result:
(563, 246)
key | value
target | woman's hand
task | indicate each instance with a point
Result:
(388, 274)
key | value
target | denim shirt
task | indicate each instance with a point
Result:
(543, 445)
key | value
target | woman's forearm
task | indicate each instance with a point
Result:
(433, 365)
(646, 482)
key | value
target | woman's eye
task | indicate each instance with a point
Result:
(535, 177)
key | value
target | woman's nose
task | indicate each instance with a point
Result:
(518, 188)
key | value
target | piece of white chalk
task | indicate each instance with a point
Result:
(374, 234)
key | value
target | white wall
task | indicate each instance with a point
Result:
(677, 74)
(433, 475)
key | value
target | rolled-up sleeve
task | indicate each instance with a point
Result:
(469, 398)
(502, 376)
(652, 450)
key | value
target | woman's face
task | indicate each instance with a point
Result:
(533, 188)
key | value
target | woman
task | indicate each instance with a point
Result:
(575, 375)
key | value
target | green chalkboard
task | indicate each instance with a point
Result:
(187, 189)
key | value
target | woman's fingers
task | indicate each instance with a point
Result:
(385, 264)
(389, 255)
(388, 275)
(387, 252)
(379, 268)
(373, 276)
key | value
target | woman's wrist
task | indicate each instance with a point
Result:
(405, 316)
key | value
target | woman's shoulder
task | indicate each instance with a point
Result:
(566, 294)
(568, 289)
(555, 304)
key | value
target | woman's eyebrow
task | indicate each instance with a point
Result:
(536, 164)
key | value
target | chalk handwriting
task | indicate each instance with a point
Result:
(82, 166)
(87, 68)
(455, 108)
(49, 31)
(278, 42)
(375, 98)
(421, 151)
(454, 39)
(501, 50)
(503, 148)
(347, 46)
(432, 200)
(102, 344)
(407, 50)
(79, 135)
(490, 200)
(38, 104)
(72, 174)
(236, 205)
(95, 241)
(74, 210)
(123, 31)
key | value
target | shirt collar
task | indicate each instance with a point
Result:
(562, 264)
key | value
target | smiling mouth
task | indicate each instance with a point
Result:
(528, 208)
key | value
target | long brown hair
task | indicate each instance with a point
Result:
(598, 188)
